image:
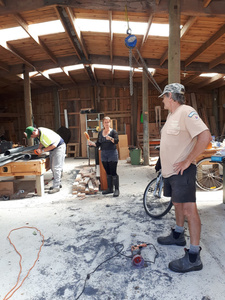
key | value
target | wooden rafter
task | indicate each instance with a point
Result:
(183, 32)
(4, 66)
(77, 31)
(206, 45)
(217, 84)
(190, 78)
(110, 36)
(2, 3)
(206, 3)
(210, 80)
(39, 42)
(27, 62)
(188, 7)
(69, 29)
(145, 37)
(90, 72)
(217, 61)
(16, 53)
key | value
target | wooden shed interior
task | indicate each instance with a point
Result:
(60, 74)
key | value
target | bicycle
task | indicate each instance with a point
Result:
(209, 177)
(155, 203)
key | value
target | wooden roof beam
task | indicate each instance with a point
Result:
(77, 31)
(145, 37)
(217, 61)
(206, 45)
(210, 80)
(70, 31)
(183, 32)
(219, 83)
(190, 7)
(11, 49)
(206, 2)
(190, 78)
(28, 63)
(2, 2)
(40, 43)
(90, 73)
(4, 66)
(110, 36)
(49, 77)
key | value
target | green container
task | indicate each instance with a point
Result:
(135, 156)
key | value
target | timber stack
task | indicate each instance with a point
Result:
(85, 183)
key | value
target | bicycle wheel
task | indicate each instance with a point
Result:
(209, 176)
(155, 204)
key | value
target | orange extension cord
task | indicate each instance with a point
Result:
(16, 287)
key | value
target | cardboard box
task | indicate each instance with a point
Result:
(123, 153)
(123, 142)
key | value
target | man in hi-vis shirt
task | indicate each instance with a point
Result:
(50, 141)
(183, 137)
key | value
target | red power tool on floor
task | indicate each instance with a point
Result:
(137, 259)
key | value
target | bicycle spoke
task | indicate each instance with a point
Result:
(209, 175)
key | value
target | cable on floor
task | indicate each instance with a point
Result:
(16, 287)
(119, 251)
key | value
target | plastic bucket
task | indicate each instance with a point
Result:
(135, 156)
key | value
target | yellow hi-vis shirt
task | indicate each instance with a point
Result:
(48, 137)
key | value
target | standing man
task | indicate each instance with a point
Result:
(50, 142)
(183, 137)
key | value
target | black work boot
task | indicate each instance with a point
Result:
(174, 238)
(116, 184)
(189, 262)
(110, 186)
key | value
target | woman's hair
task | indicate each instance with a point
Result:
(106, 118)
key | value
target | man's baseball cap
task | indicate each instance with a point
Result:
(173, 88)
(29, 130)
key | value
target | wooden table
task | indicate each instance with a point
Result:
(23, 168)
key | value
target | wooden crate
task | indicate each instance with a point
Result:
(72, 150)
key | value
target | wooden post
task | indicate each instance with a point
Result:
(215, 110)
(174, 42)
(134, 117)
(145, 119)
(28, 103)
(57, 121)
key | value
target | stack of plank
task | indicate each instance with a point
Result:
(85, 183)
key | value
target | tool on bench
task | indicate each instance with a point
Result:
(36, 152)
(137, 259)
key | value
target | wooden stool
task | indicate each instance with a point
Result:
(72, 150)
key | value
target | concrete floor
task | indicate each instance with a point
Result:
(79, 235)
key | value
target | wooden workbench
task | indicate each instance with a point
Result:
(35, 167)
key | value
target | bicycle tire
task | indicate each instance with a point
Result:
(209, 175)
(156, 206)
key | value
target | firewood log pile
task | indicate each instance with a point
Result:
(85, 183)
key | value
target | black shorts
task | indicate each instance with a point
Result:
(181, 188)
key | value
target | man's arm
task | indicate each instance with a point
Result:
(203, 140)
(41, 148)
